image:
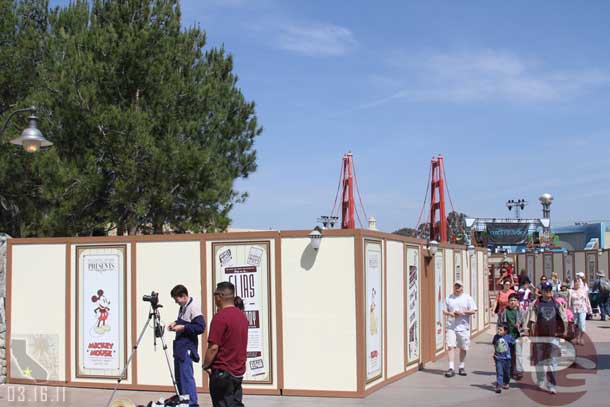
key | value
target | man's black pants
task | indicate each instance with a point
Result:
(225, 389)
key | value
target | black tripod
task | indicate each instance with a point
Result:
(158, 329)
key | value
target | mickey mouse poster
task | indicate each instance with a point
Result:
(101, 312)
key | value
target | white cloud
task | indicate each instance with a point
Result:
(486, 76)
(316, 40)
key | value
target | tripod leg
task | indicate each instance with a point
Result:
(169, 366)
(133, 351)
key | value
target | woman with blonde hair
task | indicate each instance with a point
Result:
(578, 302)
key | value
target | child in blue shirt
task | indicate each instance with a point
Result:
(502, 342)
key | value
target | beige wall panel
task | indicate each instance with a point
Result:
(481, 270)
(395, 308)
(558, 266)
(579, 263)
(160, 266)
(38, 302)
(319, 328)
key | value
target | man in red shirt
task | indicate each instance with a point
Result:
(225, 358)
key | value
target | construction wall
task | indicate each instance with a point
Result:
(566, 264)
(355, 304)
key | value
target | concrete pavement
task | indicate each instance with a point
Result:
(425, 388)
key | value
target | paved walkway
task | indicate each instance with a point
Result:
(425, 388)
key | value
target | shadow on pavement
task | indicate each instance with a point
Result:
(483, 373)
(488, 387)
(434, 371)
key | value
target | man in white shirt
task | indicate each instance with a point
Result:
(458, 309)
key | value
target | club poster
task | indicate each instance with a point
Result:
(374, 310)
(246, 265)
(101, 311)
(439, 295)
(412, 305)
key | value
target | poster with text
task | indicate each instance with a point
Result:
(457, 263)
(531, 267)
(246, 266)
(439, 296)
(569, 269)
(374, 311)
(101, 311)
(548, 265)
(485, 271)
(412, 305)
(591, 267)
(474, 289)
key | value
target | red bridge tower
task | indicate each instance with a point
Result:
(438, 231)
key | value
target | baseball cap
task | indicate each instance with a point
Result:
(459, 282)
(580, 274)
(546, 286)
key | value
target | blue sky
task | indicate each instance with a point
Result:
(515, 95)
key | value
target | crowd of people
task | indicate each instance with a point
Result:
(548, 311)
(551, 308)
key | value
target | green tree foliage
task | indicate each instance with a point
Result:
(456, 229)
(408, 232)
(150, 129)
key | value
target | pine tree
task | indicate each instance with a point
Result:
(150, 129)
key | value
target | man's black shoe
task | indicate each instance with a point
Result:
(449, 373)
(462, 372)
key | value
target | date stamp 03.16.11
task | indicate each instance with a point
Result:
(33, 396)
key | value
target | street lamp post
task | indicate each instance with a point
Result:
(31, 138)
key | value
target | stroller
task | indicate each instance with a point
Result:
(594, 300)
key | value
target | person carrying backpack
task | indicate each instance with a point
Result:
(602, 287)
(546, 318)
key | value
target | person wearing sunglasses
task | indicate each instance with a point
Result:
(225, 358)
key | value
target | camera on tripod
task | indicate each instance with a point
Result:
(153, 298)
(178, 400)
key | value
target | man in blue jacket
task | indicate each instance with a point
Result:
(188, 326)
